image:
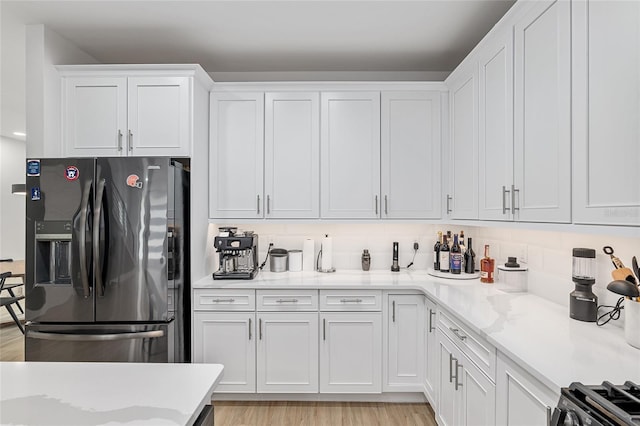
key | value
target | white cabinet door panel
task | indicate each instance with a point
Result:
(292, 155)
(432, 367)
(478, 395)
(606, 107)
(236, 155)
(350, 155)
(410, 155)
(287, 352)
(95, 116)
(448, 398)
(405, 343)
(159, 116)
(351, 352)
(227, 338)
(542, 121)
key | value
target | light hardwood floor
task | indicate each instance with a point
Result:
(235, 413)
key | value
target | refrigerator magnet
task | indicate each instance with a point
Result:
(35, 193)
(33, 168)
(71, 173)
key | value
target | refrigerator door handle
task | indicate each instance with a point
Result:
(96, 236)
(84, 207)
(95, 337)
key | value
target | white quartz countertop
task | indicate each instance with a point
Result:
(74, 393)
(532, 331)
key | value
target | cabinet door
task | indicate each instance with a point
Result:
(606, 107)
(432, 368)
(477, 395)
(227, 338)
(236, 155)
(292, 155)
(350, 155)
(448, 397)
(520, 399)
(462, 202)
(495, 142)
(95, 116)
(410, 155)
(351, 352)
(542, 122)
(405, 343)
(287, 352)
(159, 116)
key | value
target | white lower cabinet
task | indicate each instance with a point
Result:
(431, 354)
(351, 352)
(227, 338)
(520, 398)
(404, 335)
(287, 348)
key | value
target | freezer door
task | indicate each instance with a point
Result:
(58, 272)
(130, 242)
(98, 343)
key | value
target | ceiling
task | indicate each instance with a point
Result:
(396, 39)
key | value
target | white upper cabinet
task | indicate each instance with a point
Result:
(606, 110)
(292, 155)
(236, 155)
(410, 140)
(495, 142)
(542, 148)
(350, 155)
(118, 110)
(462, 173)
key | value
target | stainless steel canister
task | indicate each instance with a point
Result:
(278, 260)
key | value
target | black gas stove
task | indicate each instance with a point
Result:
(603, 405)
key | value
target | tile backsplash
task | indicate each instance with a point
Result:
(547, 253)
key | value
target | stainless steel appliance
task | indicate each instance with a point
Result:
(107, 275)
(602, 405)
(583, 304)
(238, 255)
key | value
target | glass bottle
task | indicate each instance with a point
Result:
(487, 265)
(469, 259)
(436, 252)
(456, 256)
(444, 255)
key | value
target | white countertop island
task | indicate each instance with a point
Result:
(70, 393)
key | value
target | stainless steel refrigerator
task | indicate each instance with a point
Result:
(106, 274)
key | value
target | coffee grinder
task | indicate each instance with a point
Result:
(583, 304)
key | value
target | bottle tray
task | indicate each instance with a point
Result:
(450, 276)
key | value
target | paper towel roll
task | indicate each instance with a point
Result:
(308, 255)
(327, 253)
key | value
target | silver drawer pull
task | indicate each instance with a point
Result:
(457, 333)
(287, 301)
(350, 300)
(223, 300)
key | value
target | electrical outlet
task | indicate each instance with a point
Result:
(416, 246)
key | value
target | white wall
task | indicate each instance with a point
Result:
(44, 50)
(12, 207)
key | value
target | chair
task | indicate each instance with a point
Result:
(10, 286)
(8, 301)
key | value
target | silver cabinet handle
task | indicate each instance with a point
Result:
(458, 365)
(386, 205)
(324, 329)
(350, 300)
(268, 204)
(249, 328)
(548, 416)
(260, 329)
(505, 191)
(451, 358)
(393, 311)
(223, 300)
(376, 204)
(431, 315)
(513, 199)
(119, 140)
(130, 141)
(258, 204)
(449, 198)
(287, 301)
(458, 334)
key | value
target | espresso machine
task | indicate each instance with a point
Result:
(238, 253)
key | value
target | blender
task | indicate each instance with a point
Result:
(583, 304)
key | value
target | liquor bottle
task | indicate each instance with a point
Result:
(463, 248)
(456, 256)
(469, 259)
(444, 255)
(436, 253)
(487, 266)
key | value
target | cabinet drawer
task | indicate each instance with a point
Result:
(224, 300)
(350, 300)
(475, 347)
(287, 300)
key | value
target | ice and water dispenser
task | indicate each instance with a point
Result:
(53, 252)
